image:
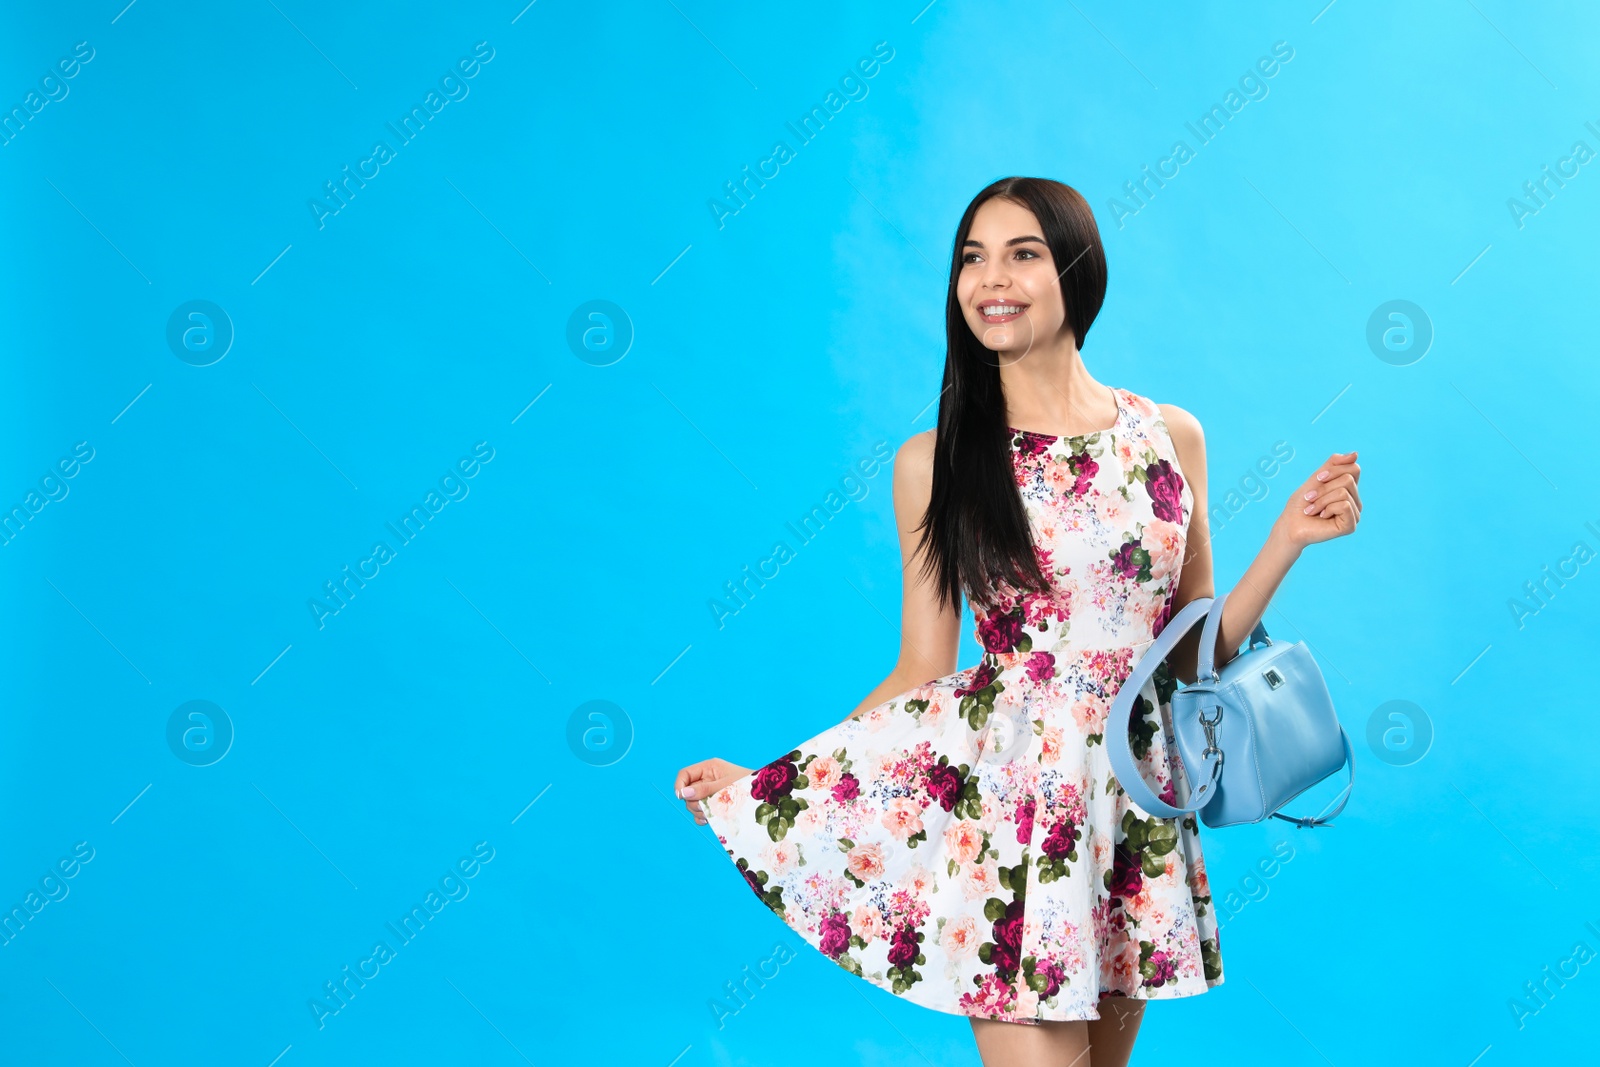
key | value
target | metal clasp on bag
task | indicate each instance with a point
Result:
(1210, 726)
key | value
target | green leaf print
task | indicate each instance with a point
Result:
(994, 909)
(1162, 836)
(1143, 728)
(1166, 683)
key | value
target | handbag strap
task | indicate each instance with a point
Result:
(1336, 805)
(1121, 714)
(1117, 721)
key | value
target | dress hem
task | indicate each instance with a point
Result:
(1193, 987)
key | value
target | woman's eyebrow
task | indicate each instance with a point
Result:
(1013, 241)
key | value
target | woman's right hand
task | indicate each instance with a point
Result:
(698, 781)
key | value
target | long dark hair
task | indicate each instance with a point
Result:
(975, 533)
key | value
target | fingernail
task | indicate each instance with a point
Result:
(1310, 508)
(686, 792)
(1322, 476)
(1311, 494)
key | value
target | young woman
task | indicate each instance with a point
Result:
(962, 841)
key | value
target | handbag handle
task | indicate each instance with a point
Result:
(1122, 764)
(1117, 721)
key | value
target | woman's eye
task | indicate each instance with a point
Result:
(1027, 252)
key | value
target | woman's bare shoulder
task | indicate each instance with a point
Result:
(1188, 438)
(913, 465)
(1181, 424)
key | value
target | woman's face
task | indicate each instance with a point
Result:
(1009, 287)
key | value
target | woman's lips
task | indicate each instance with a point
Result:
(996, 314)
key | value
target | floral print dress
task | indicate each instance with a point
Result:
(965, 845)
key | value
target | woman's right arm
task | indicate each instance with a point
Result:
(930, 633)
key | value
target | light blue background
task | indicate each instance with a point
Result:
(769, 356)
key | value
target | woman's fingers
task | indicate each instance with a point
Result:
(1326, 502)
(1337, 488)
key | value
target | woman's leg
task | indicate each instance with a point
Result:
(1002, 1044)
(1112, 1034)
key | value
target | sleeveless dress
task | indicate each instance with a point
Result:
(965, 845)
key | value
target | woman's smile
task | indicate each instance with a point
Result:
(998, 310)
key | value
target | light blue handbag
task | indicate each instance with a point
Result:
(1252, 737)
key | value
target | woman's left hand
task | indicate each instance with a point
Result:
(1328, 505)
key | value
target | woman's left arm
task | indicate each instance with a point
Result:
(1325, 506)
